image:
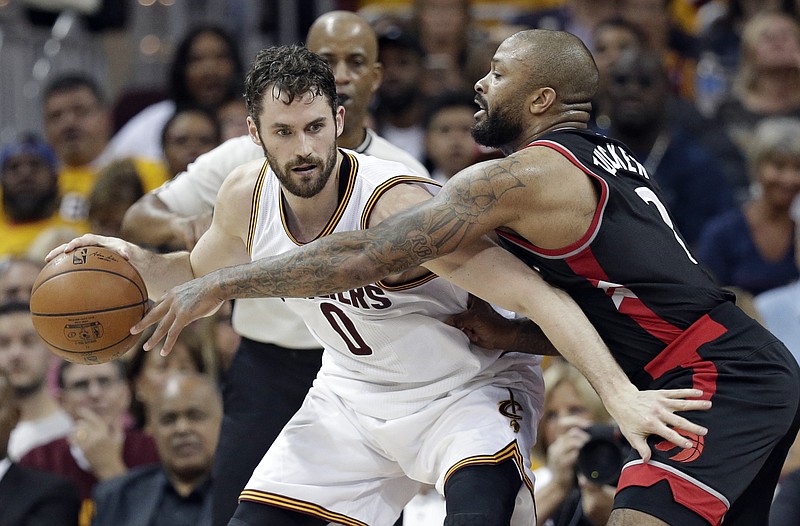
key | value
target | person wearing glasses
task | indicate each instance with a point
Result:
(100, 446)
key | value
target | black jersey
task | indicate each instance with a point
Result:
(631, 272)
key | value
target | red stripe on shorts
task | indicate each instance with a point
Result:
(684, 491)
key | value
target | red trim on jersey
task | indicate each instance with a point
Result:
(686, 493)
(586, 265)
(683, 353)
(591, 232)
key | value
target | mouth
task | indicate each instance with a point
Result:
(481, 107)
(344, 99)
(304, 168)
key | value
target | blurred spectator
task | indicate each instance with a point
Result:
(25, 361)
(189, 133)
(693, 185)
(77, 124)
(722, 34)
(99, 447)
(147, 370)
(779, 308)
(118, 186)
(579, 17)
(29, 497)
(400, 104)
(232, 117)
(752, 248)
(768, 77)
(17, 276)
(678, 50)
(449, 146)
(206, 71)
(29, 189)
(185, 421)
(570, 406)
(610, 38)
(446, 34)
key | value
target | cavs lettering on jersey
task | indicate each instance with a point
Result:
(388, 351)
(631, 272)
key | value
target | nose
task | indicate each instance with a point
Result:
(479, 86)
(341, 73)
(304, 146)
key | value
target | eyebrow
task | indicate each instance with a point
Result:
(319, 120)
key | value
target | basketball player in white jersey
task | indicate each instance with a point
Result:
(277, 359)
(402, 399)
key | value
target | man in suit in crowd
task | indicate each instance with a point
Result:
(29, 497)
(185, 423)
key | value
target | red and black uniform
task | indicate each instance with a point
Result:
(669, 326)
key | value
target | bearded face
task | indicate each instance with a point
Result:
(304, 177)
(499, 126)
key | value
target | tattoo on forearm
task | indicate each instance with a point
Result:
(351, 259)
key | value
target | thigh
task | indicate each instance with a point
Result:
(324, 464)
(755, 402)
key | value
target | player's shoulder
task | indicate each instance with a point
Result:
(375, 168)
(243, 178)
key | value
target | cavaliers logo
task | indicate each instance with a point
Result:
(689, 454)
(512, 410)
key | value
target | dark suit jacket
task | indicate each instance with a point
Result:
(29, 497)
(133, 499)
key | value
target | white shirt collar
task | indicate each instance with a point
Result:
(5, 464)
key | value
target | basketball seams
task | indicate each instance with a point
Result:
(69, 271)
(85, 316)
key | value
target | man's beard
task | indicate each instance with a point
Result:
(21, 208)
(304, 189)
(397, 101)
(30, 388)
(498, 128)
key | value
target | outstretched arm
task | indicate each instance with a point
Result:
(464, 211)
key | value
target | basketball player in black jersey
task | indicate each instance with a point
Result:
(581, 210)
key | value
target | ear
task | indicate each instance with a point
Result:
(339, 117)
(541, 100)
(377, 77)
(252, 130)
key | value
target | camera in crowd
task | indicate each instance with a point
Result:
(601, 459)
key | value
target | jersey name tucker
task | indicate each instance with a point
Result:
(612, 158)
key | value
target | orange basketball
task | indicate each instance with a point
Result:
(84, 303)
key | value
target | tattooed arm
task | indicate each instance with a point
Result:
(541, 196)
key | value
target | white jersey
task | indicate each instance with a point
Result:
(388, 350)
(194, 192)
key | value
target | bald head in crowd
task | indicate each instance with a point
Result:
(350, 45)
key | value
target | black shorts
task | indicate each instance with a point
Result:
(753, 383)
(263, 388)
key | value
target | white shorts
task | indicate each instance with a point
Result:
(347, 468)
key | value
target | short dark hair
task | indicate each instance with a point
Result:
(177, 75)
(448, 99)
(72, 81)
(211, 116)
(64, 365)
(13, 307)
(289, 71)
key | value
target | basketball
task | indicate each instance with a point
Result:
(83, 304)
